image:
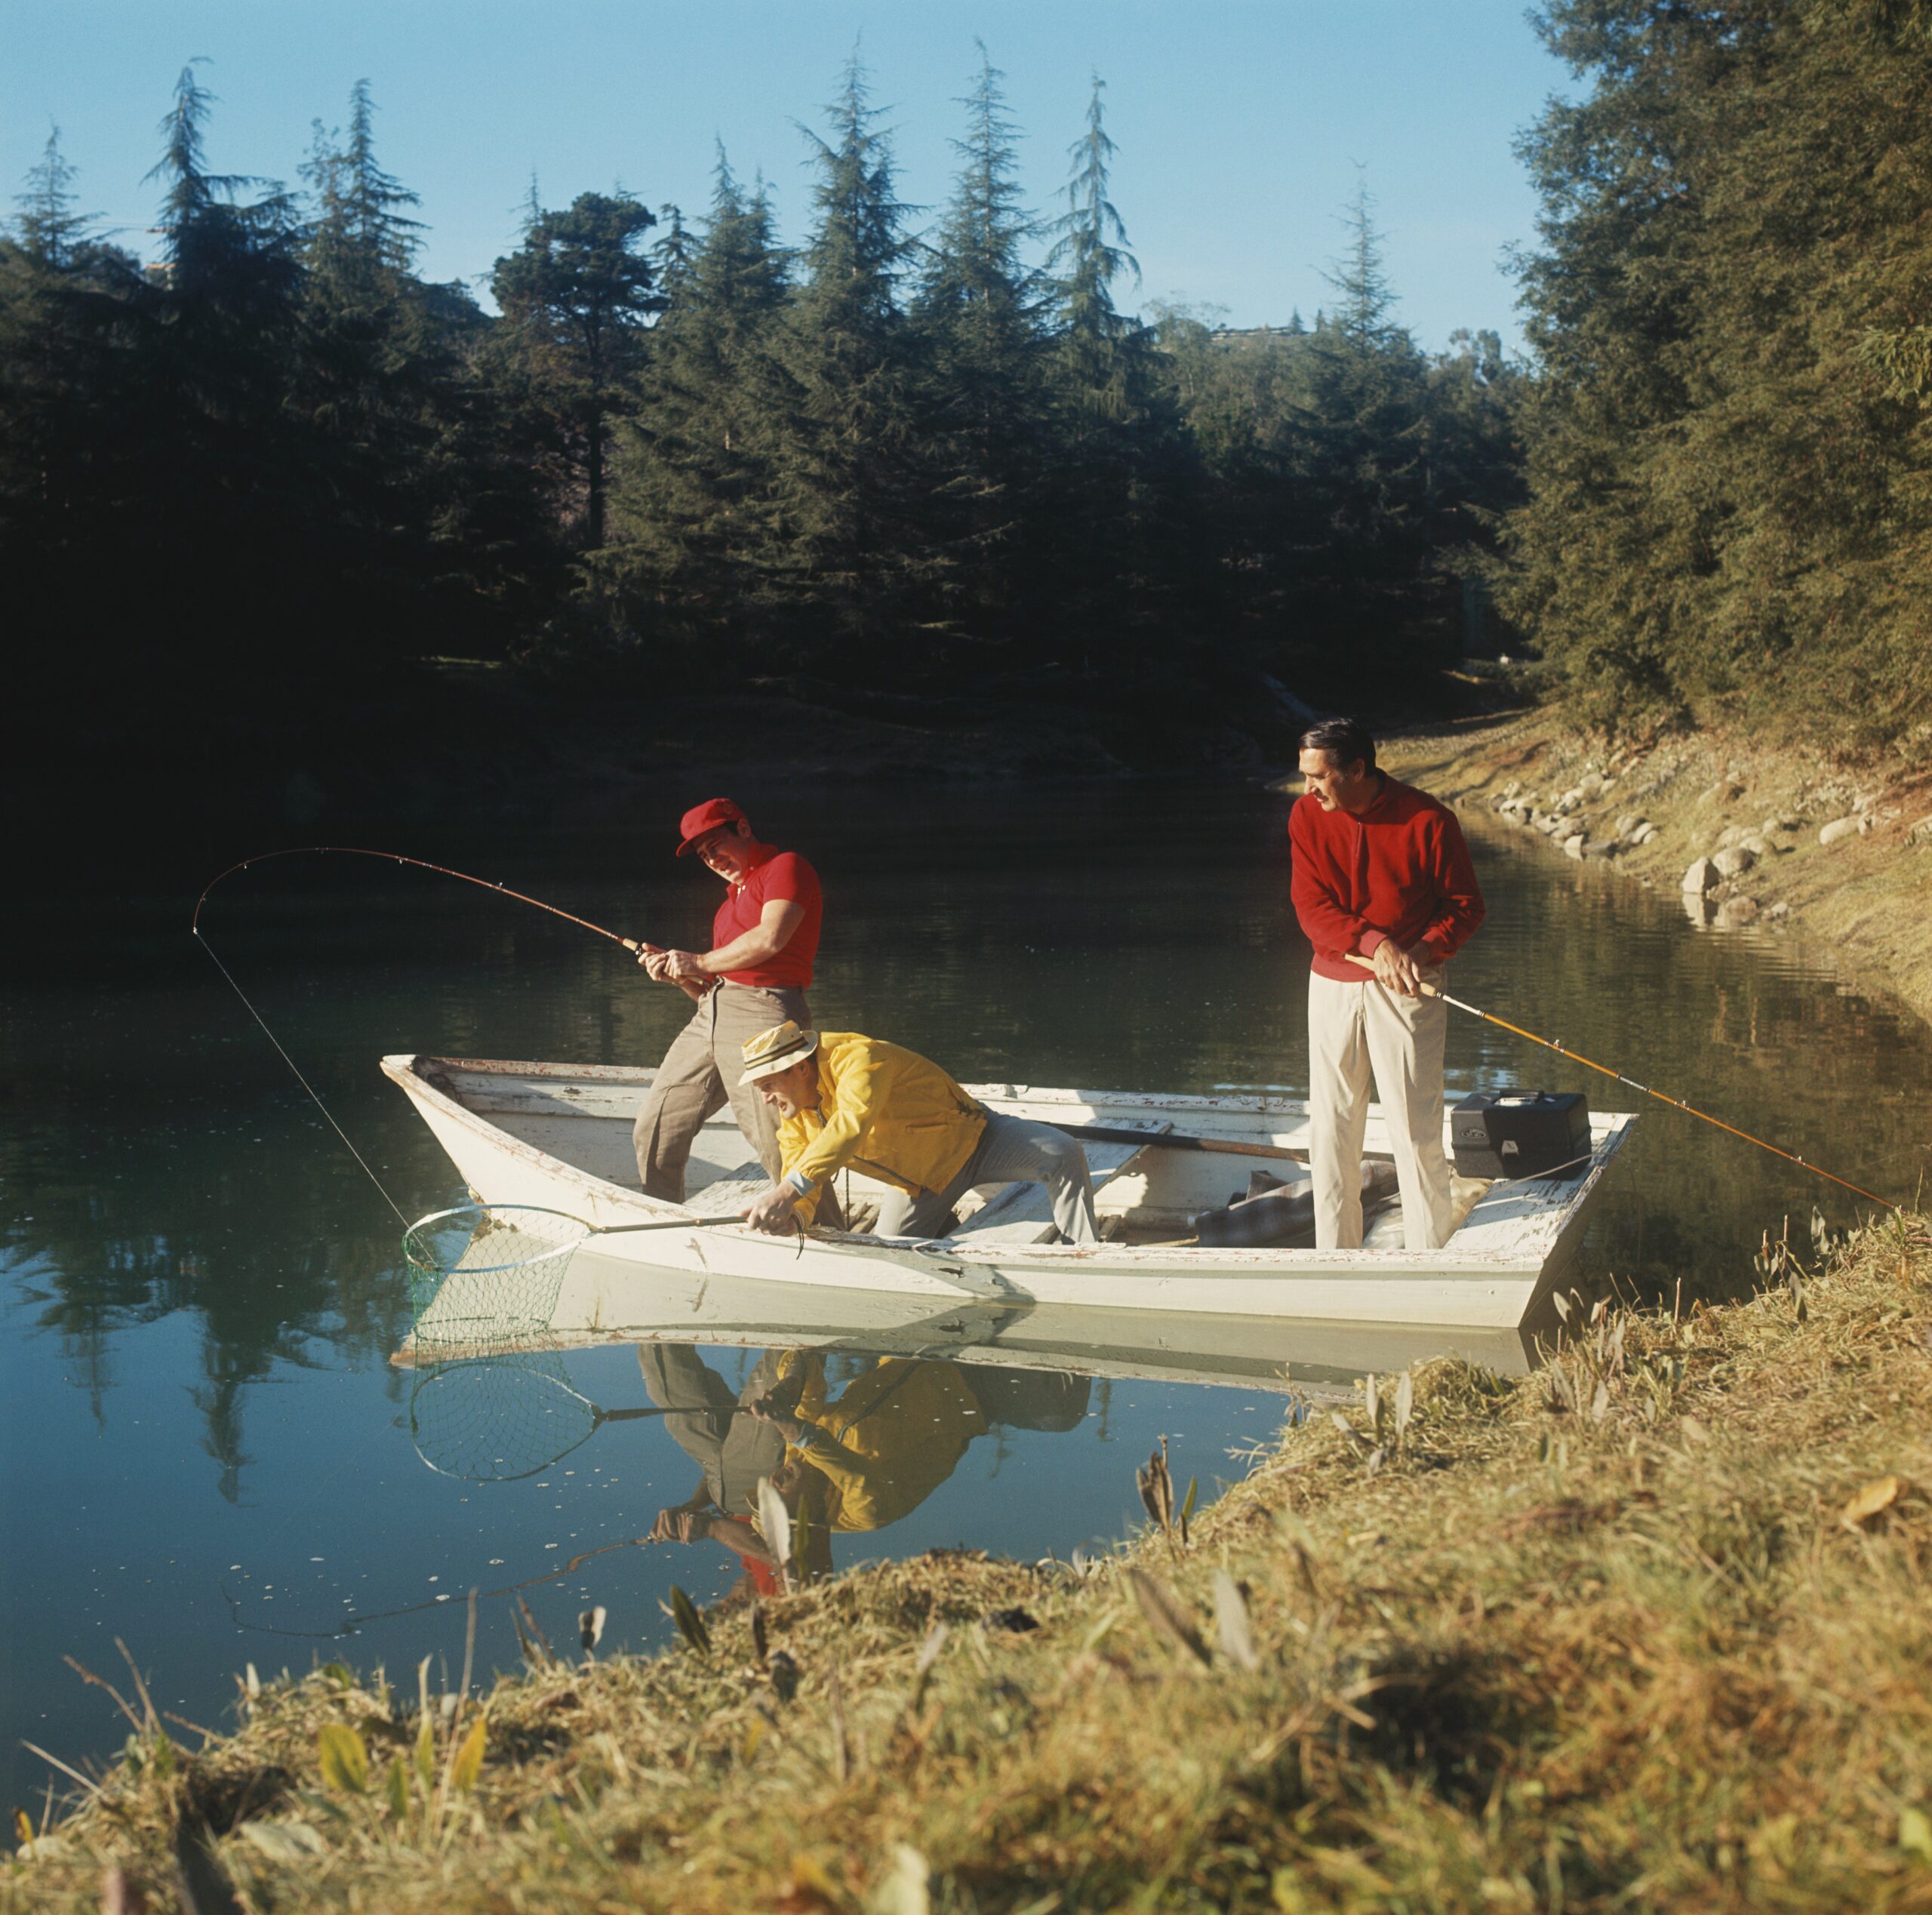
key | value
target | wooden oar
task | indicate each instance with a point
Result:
(1168, 1140)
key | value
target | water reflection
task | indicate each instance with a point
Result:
(847, 1454)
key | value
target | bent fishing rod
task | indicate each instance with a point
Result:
(1427, 989)
(385, 857)
(422, 864)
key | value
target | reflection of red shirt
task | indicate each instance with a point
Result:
(1401, 870)
(778, 875)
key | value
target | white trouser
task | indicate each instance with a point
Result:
(1354, 1030)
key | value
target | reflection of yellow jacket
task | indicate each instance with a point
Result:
(896, 1433)
(885, 1111)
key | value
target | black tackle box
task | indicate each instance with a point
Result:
(1521, 1133)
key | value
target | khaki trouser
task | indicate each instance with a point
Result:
(700, 1076)
(1354, 1030)
(1011, 1151)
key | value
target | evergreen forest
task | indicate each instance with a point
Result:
(1729, 435)
(257, 493)
(271, 498)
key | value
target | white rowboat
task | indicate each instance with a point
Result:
(558, 1135)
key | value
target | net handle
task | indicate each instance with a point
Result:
(668, 1224)
(482, 1210)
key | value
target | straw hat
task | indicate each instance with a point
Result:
(776, 1049)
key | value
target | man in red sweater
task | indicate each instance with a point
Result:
(763, 941)
(1382, 872)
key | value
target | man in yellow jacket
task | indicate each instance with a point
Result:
(843, 1099)
(893, 1434)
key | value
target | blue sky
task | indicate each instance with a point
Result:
(1241, 125)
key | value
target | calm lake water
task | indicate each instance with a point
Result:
(206, 1451)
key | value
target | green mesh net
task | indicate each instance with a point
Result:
(486, 1277)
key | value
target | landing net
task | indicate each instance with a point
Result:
(495, 1419)
(485, 1278)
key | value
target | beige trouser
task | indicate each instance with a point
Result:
(700, 1076)
(1354, 1030)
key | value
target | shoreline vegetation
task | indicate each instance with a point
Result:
(1645, 1628)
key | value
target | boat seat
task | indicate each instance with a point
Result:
(1022, 1213)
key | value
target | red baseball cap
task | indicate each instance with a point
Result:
(708, 817)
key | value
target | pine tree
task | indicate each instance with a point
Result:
(578, 297)
(47, 227)
(228, 466)
(979, 313)
(227, 258)
(853, 473)
(673, 255)
(370, 358)
(1121, 517)
(1731, 453)
(70, 394)
(1092, 250)
(362, 242)
(695, 508)
(387, 377)
(1363, 493)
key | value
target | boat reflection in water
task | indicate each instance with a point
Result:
(861, 1405)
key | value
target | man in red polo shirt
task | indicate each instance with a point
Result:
(756, 975)
(1382, 872)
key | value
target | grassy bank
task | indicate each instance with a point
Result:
(1649, 1630)
(1861, 894)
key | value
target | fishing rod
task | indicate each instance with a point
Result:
(422, 864)
(1676, 1103)
(387, 857)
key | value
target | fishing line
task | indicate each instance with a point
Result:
(303, 1082)
(353, 1624)
(390, 858)
(1676, 1103)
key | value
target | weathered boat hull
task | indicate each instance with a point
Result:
(558, 1135)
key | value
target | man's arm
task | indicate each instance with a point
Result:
(1460, 908)
(776, 922)
(846, 1116)
(1325, 921)
(741, 1539)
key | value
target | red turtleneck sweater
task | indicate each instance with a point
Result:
(1399, 869)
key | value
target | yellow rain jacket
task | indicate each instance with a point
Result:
(897, 1432)
(885, 1111)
